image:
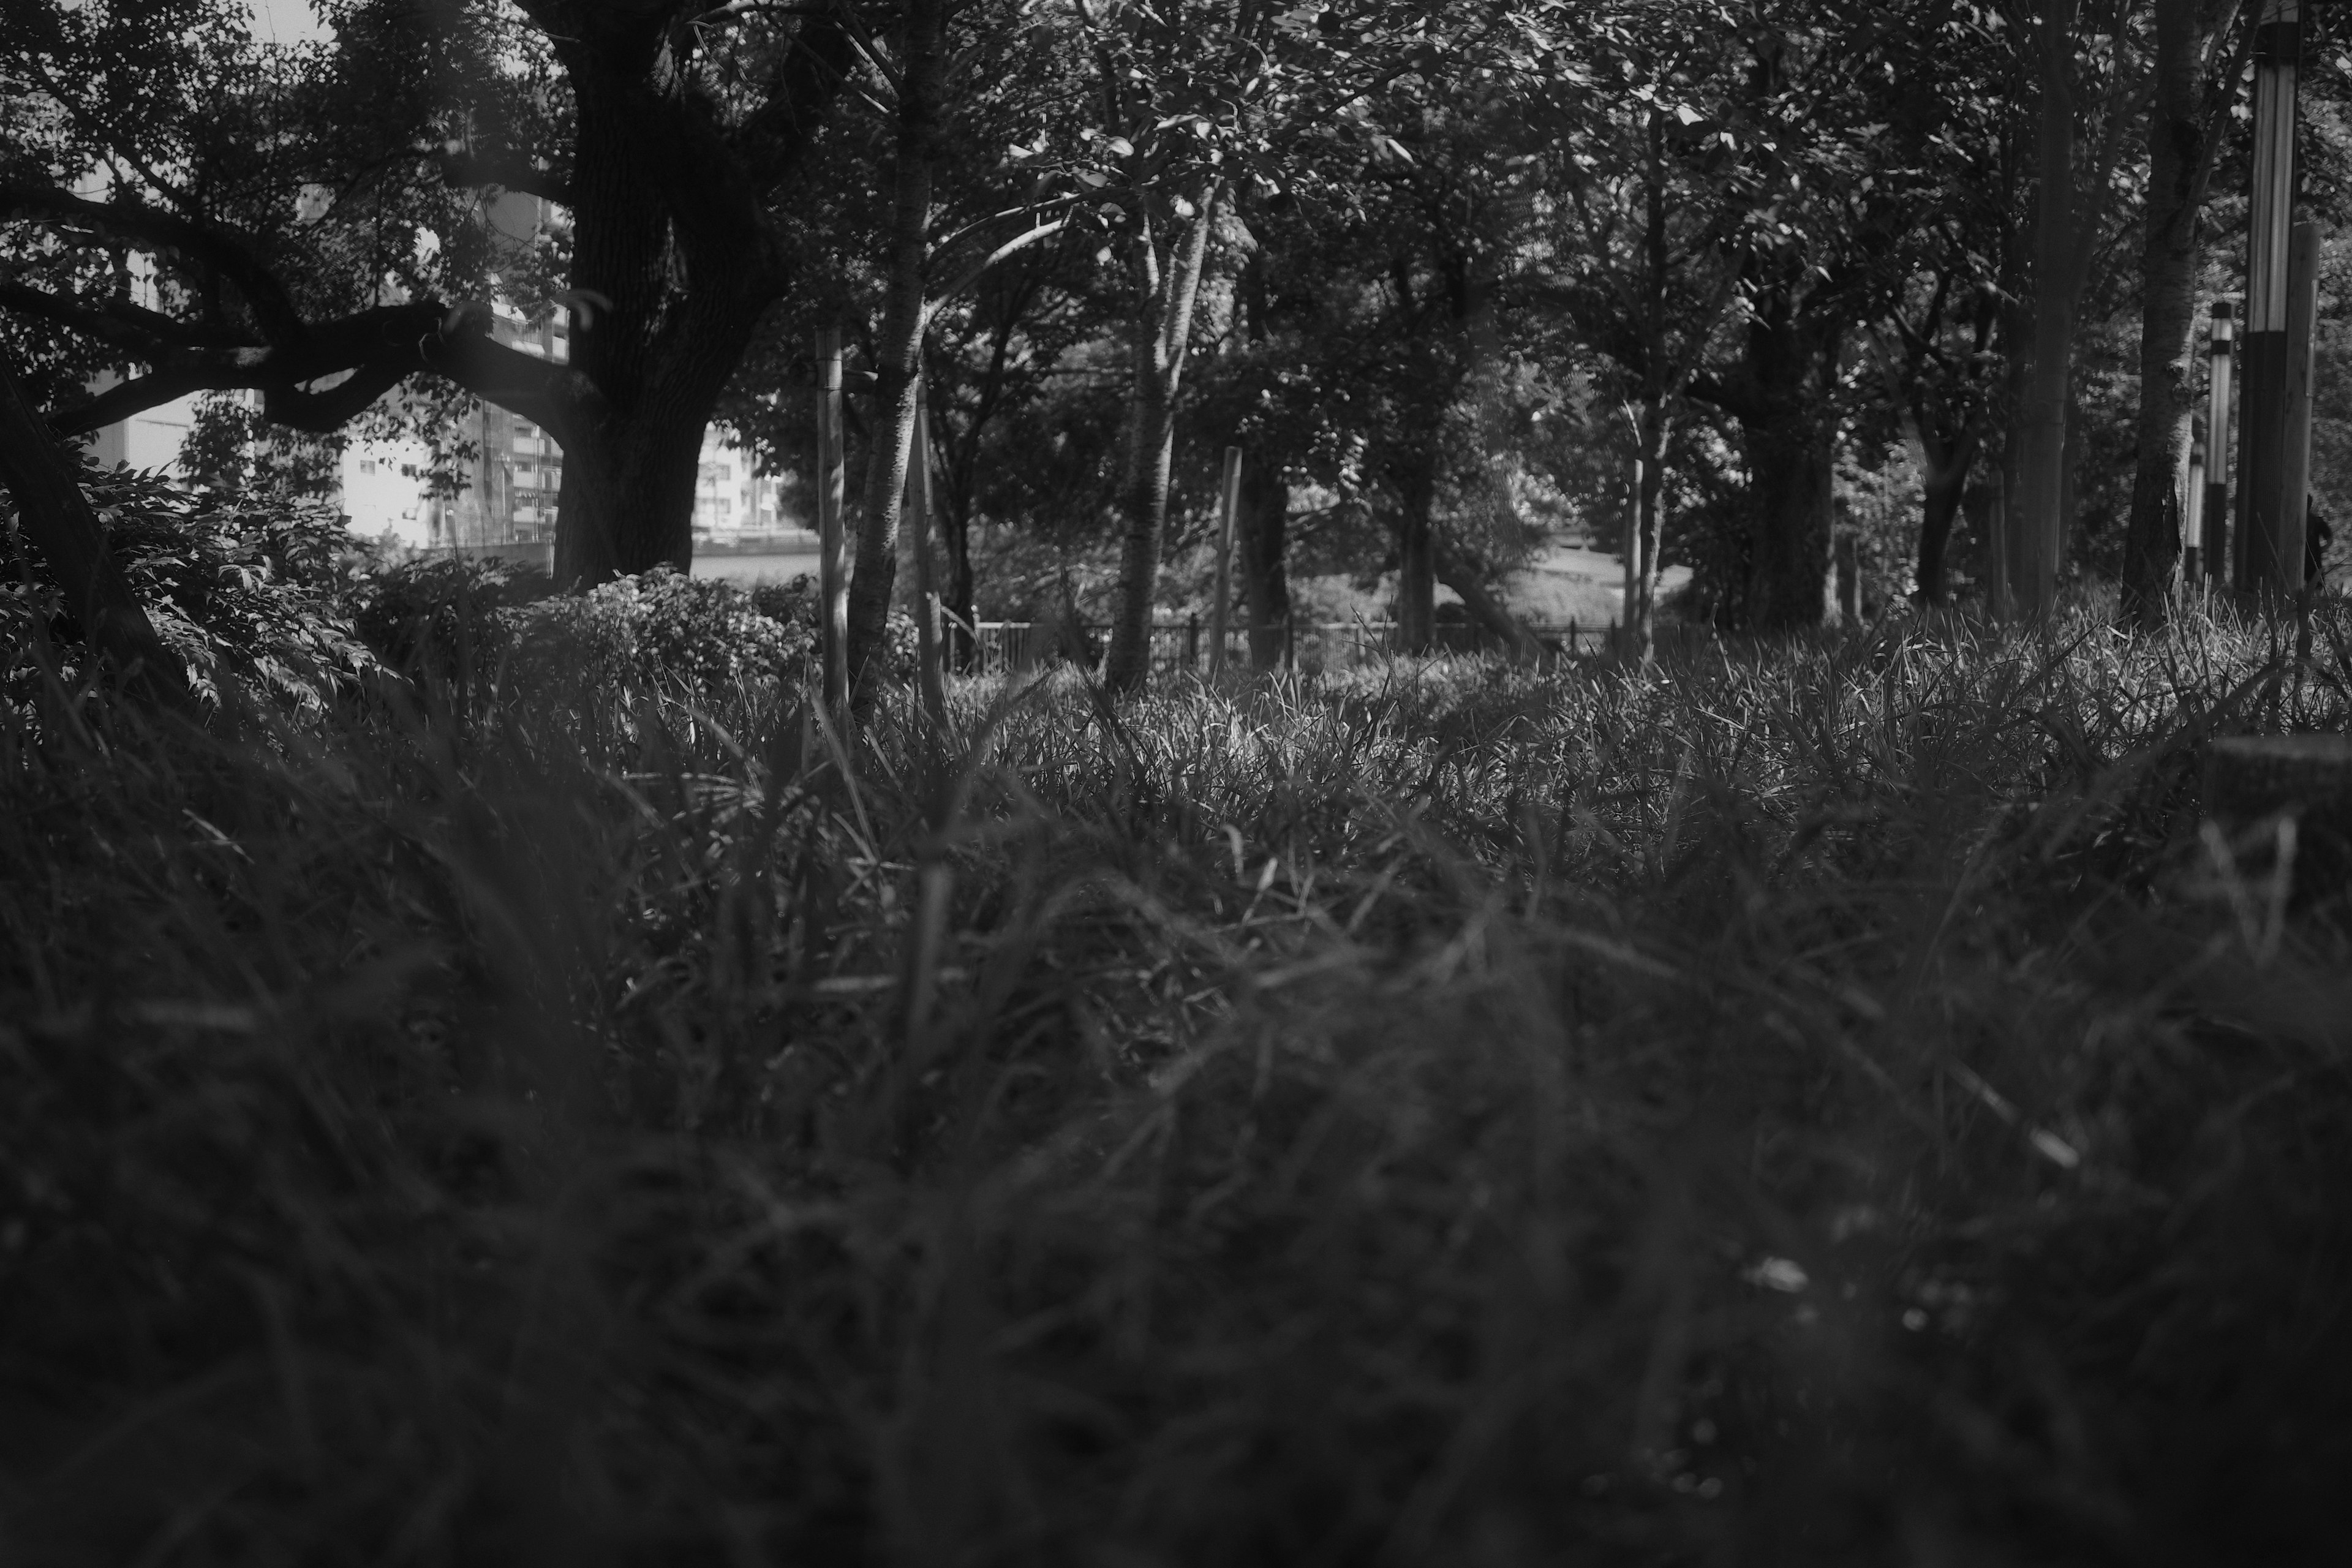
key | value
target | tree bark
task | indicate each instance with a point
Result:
(1416, 600)
(1160, 336)
(899, 351)
(1263, 548)
(1461, 573)
(1943, 480)
(1788, 436)
(2168, 258)
(1649, 523)
(674, 261)
(58, 521)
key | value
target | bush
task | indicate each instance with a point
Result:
(253, 586)
(796, 602)
(441, 617)
(662, 629)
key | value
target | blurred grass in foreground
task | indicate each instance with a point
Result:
(1818, 1105)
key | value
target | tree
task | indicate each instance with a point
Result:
(318, 225)
(2183, 141)
(57, 516)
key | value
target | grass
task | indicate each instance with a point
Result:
(1820, 1103)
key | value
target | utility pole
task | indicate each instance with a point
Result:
(2261, 559)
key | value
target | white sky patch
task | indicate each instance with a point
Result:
(285, 22)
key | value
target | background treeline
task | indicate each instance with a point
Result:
(1762, 274)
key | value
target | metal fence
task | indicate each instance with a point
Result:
(1184, 645)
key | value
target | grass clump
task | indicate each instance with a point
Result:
(1817, 1102)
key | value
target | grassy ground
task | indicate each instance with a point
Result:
(1822, 1104)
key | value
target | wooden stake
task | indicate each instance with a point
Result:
(833, 587)
(1633, 564)
(927, 599)
(1229, 505)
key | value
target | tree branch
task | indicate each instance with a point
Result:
(771, 139)
(505, 167)
(1018, 243)
(135, 329)
(208, 245)
(375, 349)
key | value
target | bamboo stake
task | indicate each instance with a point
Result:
(2294, 422)
(1229, 506)
(832, 589)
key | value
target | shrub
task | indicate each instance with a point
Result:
(246, 585)
(796, 602)
(662, 629)
(439, 616)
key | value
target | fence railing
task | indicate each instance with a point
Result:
(1184, 645)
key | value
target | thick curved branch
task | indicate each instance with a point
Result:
(118, 323)
(330, 409)
(375, 350)
(505, 167)
(205, 244)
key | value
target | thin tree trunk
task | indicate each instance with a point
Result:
(1265, 578)
(57, 519)
(1944, 479)
(1649, 525)
(899, 351)
(1416, 601)
(2168, 258)
(1161, 336)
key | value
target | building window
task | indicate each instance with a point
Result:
(367, 465)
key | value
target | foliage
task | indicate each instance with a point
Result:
(438, 615)
(239, 586)
(663, 629)
(1827, 1099)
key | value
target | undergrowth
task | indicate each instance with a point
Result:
(1816, 1103)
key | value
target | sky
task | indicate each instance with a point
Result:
(284, 21)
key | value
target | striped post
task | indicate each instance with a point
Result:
(2214, 533)
(833, 585)
(2260, 557)
(927, 599)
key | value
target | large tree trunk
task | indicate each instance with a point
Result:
(1263, 543)
(674, 261)
(55, 518)
(1465, 574)
(898, 351)
(1160, 336)
(1788, 434)
(2168, 257)
(2041, 426)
